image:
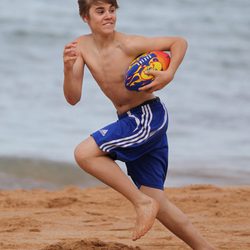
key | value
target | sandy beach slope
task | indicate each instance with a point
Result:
(100, 218)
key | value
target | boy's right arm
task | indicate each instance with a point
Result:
(73, 73)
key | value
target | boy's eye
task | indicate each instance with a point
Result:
(100, 11)
(112, 10)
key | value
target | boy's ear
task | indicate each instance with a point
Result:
(85, 19)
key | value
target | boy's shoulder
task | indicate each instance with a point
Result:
(84, 42)
(84, 37)
(134, 44)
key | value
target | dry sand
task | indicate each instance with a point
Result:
(100, 218)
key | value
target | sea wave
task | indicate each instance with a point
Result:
(39, 173)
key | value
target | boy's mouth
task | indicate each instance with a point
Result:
(109, 23)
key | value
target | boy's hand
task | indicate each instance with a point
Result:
(161, 79)
(70, 55)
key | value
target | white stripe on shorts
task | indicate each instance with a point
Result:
(130, 143)
(145, 119)
(143, 136)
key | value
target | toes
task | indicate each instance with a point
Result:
(135, 237)
(145, 221)
(139, 233)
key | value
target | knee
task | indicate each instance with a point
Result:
(80, 156)
(86, 152)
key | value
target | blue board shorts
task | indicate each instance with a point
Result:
(139, 139)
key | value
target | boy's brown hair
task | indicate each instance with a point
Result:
(84, 5)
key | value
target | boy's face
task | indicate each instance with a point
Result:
(101, 18)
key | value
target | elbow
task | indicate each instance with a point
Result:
(184, 42)
(72, 97)
(73, 103)
(180, 44)
(72, 100)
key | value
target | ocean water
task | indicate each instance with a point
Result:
(208, 101)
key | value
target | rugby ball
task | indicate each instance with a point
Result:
(136, 77)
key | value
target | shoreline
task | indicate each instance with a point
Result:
(30, 173)
(74, 217)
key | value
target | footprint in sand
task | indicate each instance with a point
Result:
(94, 213)
(61, 202)
(89, 245)
(121, 229)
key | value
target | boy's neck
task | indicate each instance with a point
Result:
(103, 41)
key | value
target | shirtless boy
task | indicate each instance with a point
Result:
(138, 137)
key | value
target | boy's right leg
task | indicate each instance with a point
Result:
(94, 161)
(176, 221)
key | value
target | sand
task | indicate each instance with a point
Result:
(100, 218)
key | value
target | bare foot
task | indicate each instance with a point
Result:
(146, 214)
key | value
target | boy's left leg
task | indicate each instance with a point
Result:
(176, 221)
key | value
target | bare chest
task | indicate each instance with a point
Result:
(108, 67)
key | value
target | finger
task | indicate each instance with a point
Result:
(70, 45)
(70, 59)
(70, 48)
(150, 90)
(145, 88)
(151, 72)
(70, 51)
(149, 86)
(73, 43)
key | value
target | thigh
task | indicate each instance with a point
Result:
(88, 148)
(150, 169)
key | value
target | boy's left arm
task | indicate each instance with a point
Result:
(177, 47)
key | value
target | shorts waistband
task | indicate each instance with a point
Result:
(138, 108)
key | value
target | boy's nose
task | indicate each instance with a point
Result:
(107, 14)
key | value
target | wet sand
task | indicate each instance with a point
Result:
(100, 218)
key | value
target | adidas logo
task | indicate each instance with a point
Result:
(103, 131)
(152, 133)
